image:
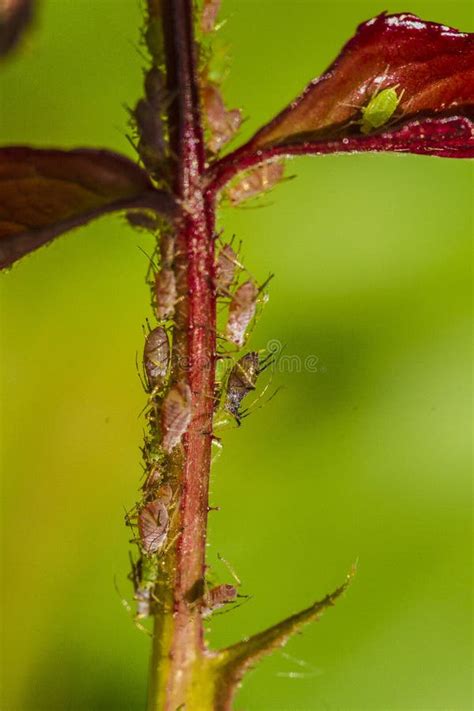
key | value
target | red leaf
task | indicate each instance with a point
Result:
(46, 192)
(431, 69)
(15, 15)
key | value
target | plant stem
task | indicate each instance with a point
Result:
(178, 644)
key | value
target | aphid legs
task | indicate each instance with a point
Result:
(253, 405)
(128, 608)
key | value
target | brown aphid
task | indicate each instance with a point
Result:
(225, 269)
(175, 415)
(209, 12)
(153, 523)
(223, 124)
(218, 597)
(258, 180)
(241, 312)
(156, 357)
(242, 380)
(165, 294)
(147, 115)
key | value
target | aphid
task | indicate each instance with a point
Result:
(225, 269)
(241, 312)
(380, 108)
(257, 180)
(209, 13)
(151, 127)
(156, 356)
(175, 415)
(153, 522)
(223, 124)
(165, 294)
(144, 575)
(242, 380)
(217, 597)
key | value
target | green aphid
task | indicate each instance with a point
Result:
(380, 109)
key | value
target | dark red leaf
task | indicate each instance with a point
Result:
(431, 68)
(46, 192)
(14, 17)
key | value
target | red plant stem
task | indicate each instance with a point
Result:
(194, 344)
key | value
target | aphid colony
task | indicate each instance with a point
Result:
(169, 410)
(169, 414)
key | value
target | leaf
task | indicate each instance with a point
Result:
(46, 192)
(429, 66)
(231, 663)
(15, 15)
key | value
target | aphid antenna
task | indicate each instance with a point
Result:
(231, 348)
(136, 47)
(230, 568)
(132, 142)
(151, 263)
(128, 608)
(245, 206)
(217, 444)
(128, 515)
(265, 283)
(223, 423)
(217, 237)
(141, 375)
(311, 672)
(253, 406)
(230, 607)
(267, 360)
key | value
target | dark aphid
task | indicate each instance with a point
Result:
(148, 119)
(209, 12)
(165, 294)
(257, 180)
(153, 522)
(175, 415)
(218, 597)
(241, 312)
(225, 269)
(156, 356)
(223, 124)
(155, 88)
(242, 380)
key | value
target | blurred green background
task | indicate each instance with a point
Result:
(368, 458)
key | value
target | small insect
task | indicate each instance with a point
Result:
(241, 312)
(223, 124)
(156, 356)
(257, 180)
(209, 13)
(225, 269)
(143, 575)
(380, 108)
(217, 597)
(242, 380)
(175, 415)
(153, 523)
(147, 116)
(165, 294)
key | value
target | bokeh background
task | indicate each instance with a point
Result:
(367, 458)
